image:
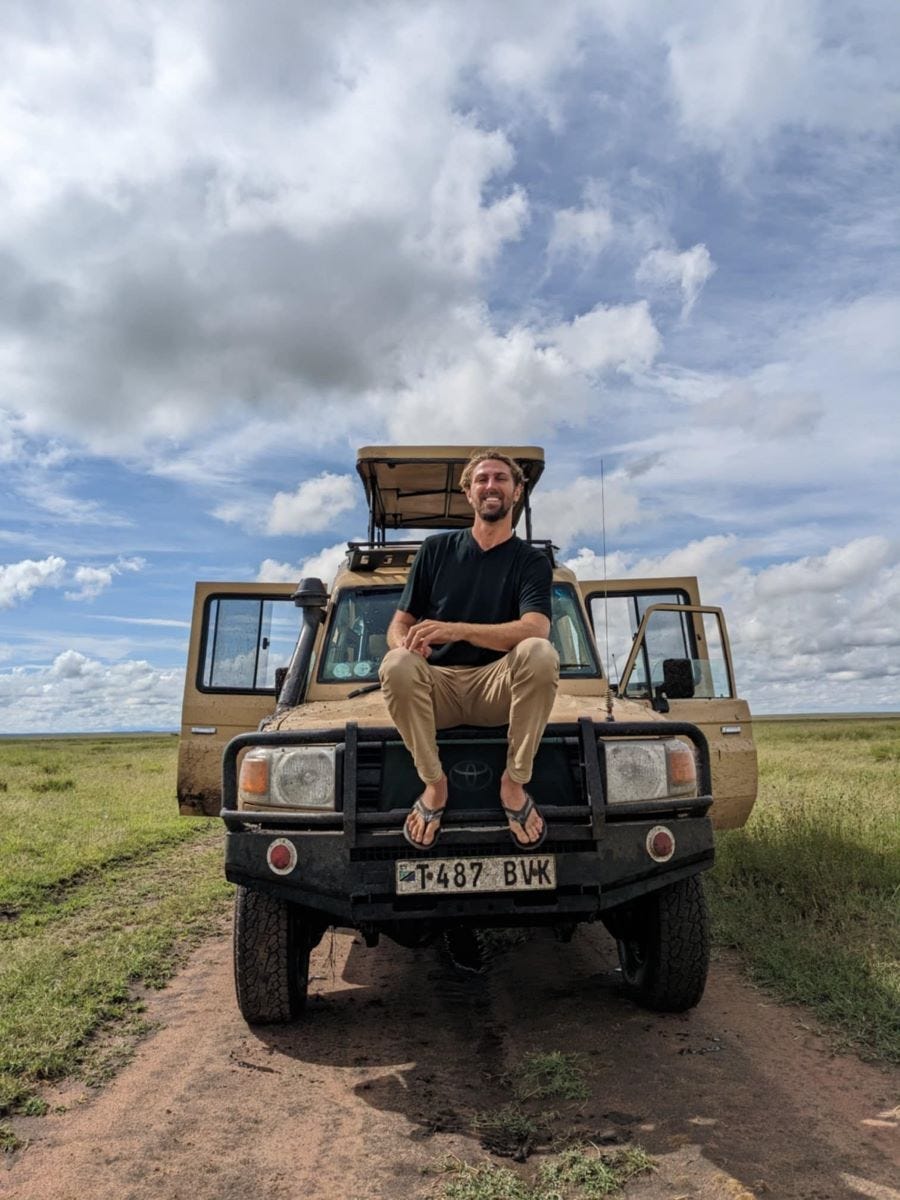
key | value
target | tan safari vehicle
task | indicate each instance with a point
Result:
(286, 737)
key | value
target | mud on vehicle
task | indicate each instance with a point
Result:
(286, 737)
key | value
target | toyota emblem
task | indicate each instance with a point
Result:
(471, 776)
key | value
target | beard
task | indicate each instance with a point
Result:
(492, 515)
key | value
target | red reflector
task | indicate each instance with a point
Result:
(660, 843)
(281, 857)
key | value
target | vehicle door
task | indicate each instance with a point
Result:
(241, 633)
(668, 652)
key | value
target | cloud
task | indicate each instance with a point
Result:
(156, 622)
(323, 565)
(92, 581)
(313, 506)
(19, 581)
(763, 415)
(581, 232)
(841, 567)
(811, 634)
(743, 76)
(203, 278)
(10, 441)
(578, 509)
(687, 271)
(619, 337)
(79, 693)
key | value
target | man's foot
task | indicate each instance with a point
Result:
(515, 800)
(424, 823)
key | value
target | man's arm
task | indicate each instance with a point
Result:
(398, 630)
(422, 636)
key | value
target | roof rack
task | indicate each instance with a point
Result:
(418, 487)
(369, 556)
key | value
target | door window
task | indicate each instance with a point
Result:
(616, 620)
(246, 639)
(681, 654)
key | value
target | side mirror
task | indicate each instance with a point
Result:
(678, 678)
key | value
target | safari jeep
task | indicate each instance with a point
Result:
(286, 736)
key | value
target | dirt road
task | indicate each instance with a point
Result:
(400, 1050)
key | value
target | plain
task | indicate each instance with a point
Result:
(104, 889)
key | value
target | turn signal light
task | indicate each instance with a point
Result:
(254, 776)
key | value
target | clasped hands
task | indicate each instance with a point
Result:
(426, 634)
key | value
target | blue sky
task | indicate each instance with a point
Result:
(237, 243)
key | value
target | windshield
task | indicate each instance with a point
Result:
(357, 635)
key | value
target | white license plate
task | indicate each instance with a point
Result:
(518, 873)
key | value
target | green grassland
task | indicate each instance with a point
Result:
(103, 886)
(809, 891)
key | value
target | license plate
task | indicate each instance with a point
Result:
(518, 873)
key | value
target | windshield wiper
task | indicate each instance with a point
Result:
(363, 691)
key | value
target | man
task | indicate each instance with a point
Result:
(468, 646)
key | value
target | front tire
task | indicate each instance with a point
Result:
(663, 944)
(272, 942)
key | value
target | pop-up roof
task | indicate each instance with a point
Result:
(417, 487)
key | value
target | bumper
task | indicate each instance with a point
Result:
(345, 861)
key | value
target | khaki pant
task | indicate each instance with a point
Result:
(518, 688)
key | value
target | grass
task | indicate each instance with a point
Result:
(72, 805)
(104, 887)
(551, 1076)
(581, 1172)
(809, 891)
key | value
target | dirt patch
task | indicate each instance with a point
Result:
(400, 1052)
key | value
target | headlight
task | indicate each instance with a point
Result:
(300, 777)
(649, 769)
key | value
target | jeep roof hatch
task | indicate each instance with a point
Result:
(417, 487)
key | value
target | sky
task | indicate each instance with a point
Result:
(238, 242)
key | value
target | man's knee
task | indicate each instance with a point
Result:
(538, 657)
(401, 669)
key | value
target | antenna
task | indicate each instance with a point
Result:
(606, 655)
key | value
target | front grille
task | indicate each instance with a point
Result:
(387, 780)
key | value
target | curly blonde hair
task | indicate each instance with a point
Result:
(479, 456)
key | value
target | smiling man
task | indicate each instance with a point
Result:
(468, 646)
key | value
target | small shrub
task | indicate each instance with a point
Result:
(53, 785)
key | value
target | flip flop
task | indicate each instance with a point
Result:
(428, 815)
(519, 816)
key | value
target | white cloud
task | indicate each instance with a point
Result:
(581, 232)
(578, 509)
(92, 581)
(763, 414)
(812, 634)
(10, 441)
(619, 337)
(19, 581)
(78, 693)
(841, 567)
(741, 74)
(324, 565)
(688, 271)
(155, 622)
(314, 506)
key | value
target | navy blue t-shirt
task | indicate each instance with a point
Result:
(453, 579)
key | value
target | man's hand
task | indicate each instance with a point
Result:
(425, 634)
(419, 636)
